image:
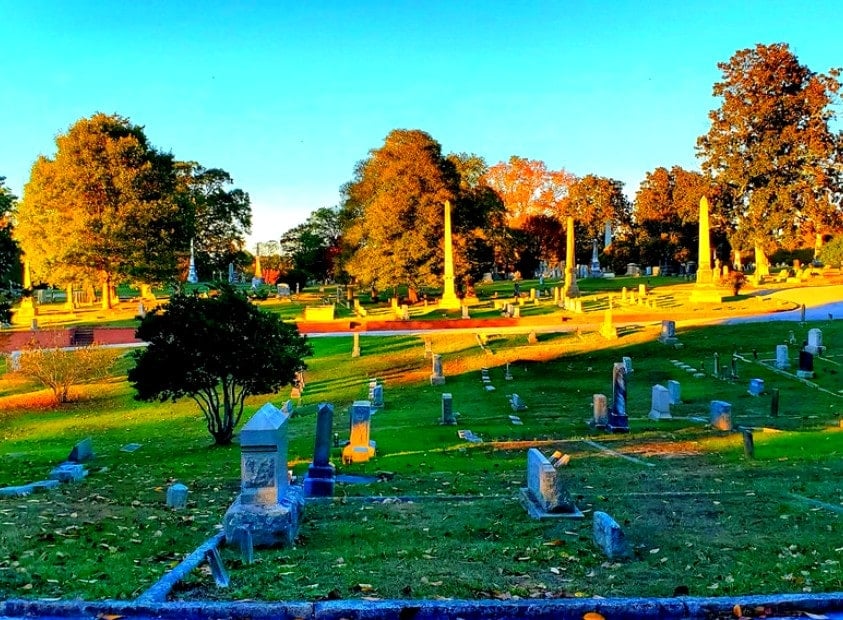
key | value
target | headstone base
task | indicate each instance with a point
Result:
(537, 511)
(655, 414)
(319, 481)
(358, 454)
(671, 340)
(618, 423)
(437, 380)
(270, 526)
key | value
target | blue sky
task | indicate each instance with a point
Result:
(288, 96)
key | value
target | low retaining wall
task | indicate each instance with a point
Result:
(18, 340)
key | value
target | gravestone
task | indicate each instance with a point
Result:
(359, 449)
(806, 365)
(321, 473)
(674, 389)
(465, 313)
(437, 377)
(608, 329)
(627, 364)
(782, 359)
(545, 495)
(177, 496)
(508, 376)
(82, 451)
(282, 290)
(668, 333)
(428, 348)
(721, 415)
(660, 403)
(815, 342)
(517, 403)
(267, 505)
(448, 418)
(532, 338)
(355, 347)
(609, 536)
(618, 420)
(600, 411)
(756, 387)
(377, 396)
(68, 472)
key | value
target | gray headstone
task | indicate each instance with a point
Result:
(177, 496)
(377, 396)
(82, 451)
(660, 403)
(721, 415)
(437, 376)
(545, 493)
(600, 410)
(217, 568)
(815, 342)
(782, 359)
(674, 388)
(627, 364)
(609, 536)
(448, 417)
(68, 472)
(668, 333)
(263, 463)
(756, 387)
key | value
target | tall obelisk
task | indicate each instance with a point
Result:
(27, 310)
(449, 300)
(571, 289)
(704, 289)
(192, 278)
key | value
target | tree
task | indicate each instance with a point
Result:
(312, 247)
(593, 201)
(666, 214)
(9, 250)
(102, 208)
(217, 351)
(222, 217)
(393, 213)
(59, 369)
(831, 253)
(529, 189)
(770, 147)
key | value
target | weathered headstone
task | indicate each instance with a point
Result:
(600, 410)
(806, 365)
(782, 359)
(774, 403)
(721, 415)
(68, 472)
(748, 443)
(815, 342)
(618, 420)
(508, 376)
(517, 403)
(668, 333)
(609, 536)
(660, 403)
(360, 448)
(756, 387)
(545, 495)
(428, 348)
(321, 473)
(465, 313)
(177, 496)
(532, 338)
(627, 364)
(82, 451)
(267, 505)
(674, 388)
(377, 396)
(437, 377)
(448, 417)
(608, 329)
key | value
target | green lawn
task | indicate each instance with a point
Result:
(696, 512)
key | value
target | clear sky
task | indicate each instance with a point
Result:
(287, 96)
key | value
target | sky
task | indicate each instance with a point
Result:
(288, 96)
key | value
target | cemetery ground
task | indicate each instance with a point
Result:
(437, 516)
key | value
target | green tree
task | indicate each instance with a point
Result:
(312, 247)
(10, 266)
(102, 208)
(771, 148)
(831, 253)
(221, 217)
(393, 210)
(592, 201)
(216, 351)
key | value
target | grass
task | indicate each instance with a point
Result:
(696, 512)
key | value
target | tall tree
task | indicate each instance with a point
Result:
(393, 210)
(529, 189)
(102, 208)
(312, 246)
(592, 201)
(10, 268)
(771, 147)
(222, 216)
(666, 214)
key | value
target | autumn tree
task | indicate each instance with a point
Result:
(216, 351)
(592, 201)
(102, 208)
(221, 216)
(312, 247)
(393, 213)
(831, 253)
(529, 189)
(666, 214)
(771, 148)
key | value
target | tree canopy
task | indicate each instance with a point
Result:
(771, 148)
(10, 267)
(216, 351)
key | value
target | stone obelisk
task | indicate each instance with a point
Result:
(192, 278)
(704, 290)
(449, 300)
(27, 309)
(571, 289)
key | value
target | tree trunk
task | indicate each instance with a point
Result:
(106, 292)
(762, 267)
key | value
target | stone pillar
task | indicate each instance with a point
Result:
(192, 278)
(449, 300)
(321, 473)
(618, 420)
(571, 288)
(448, 417)
(437, 377)
(28, 310)
(355, 349)
(607, 235)
(704, 275)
